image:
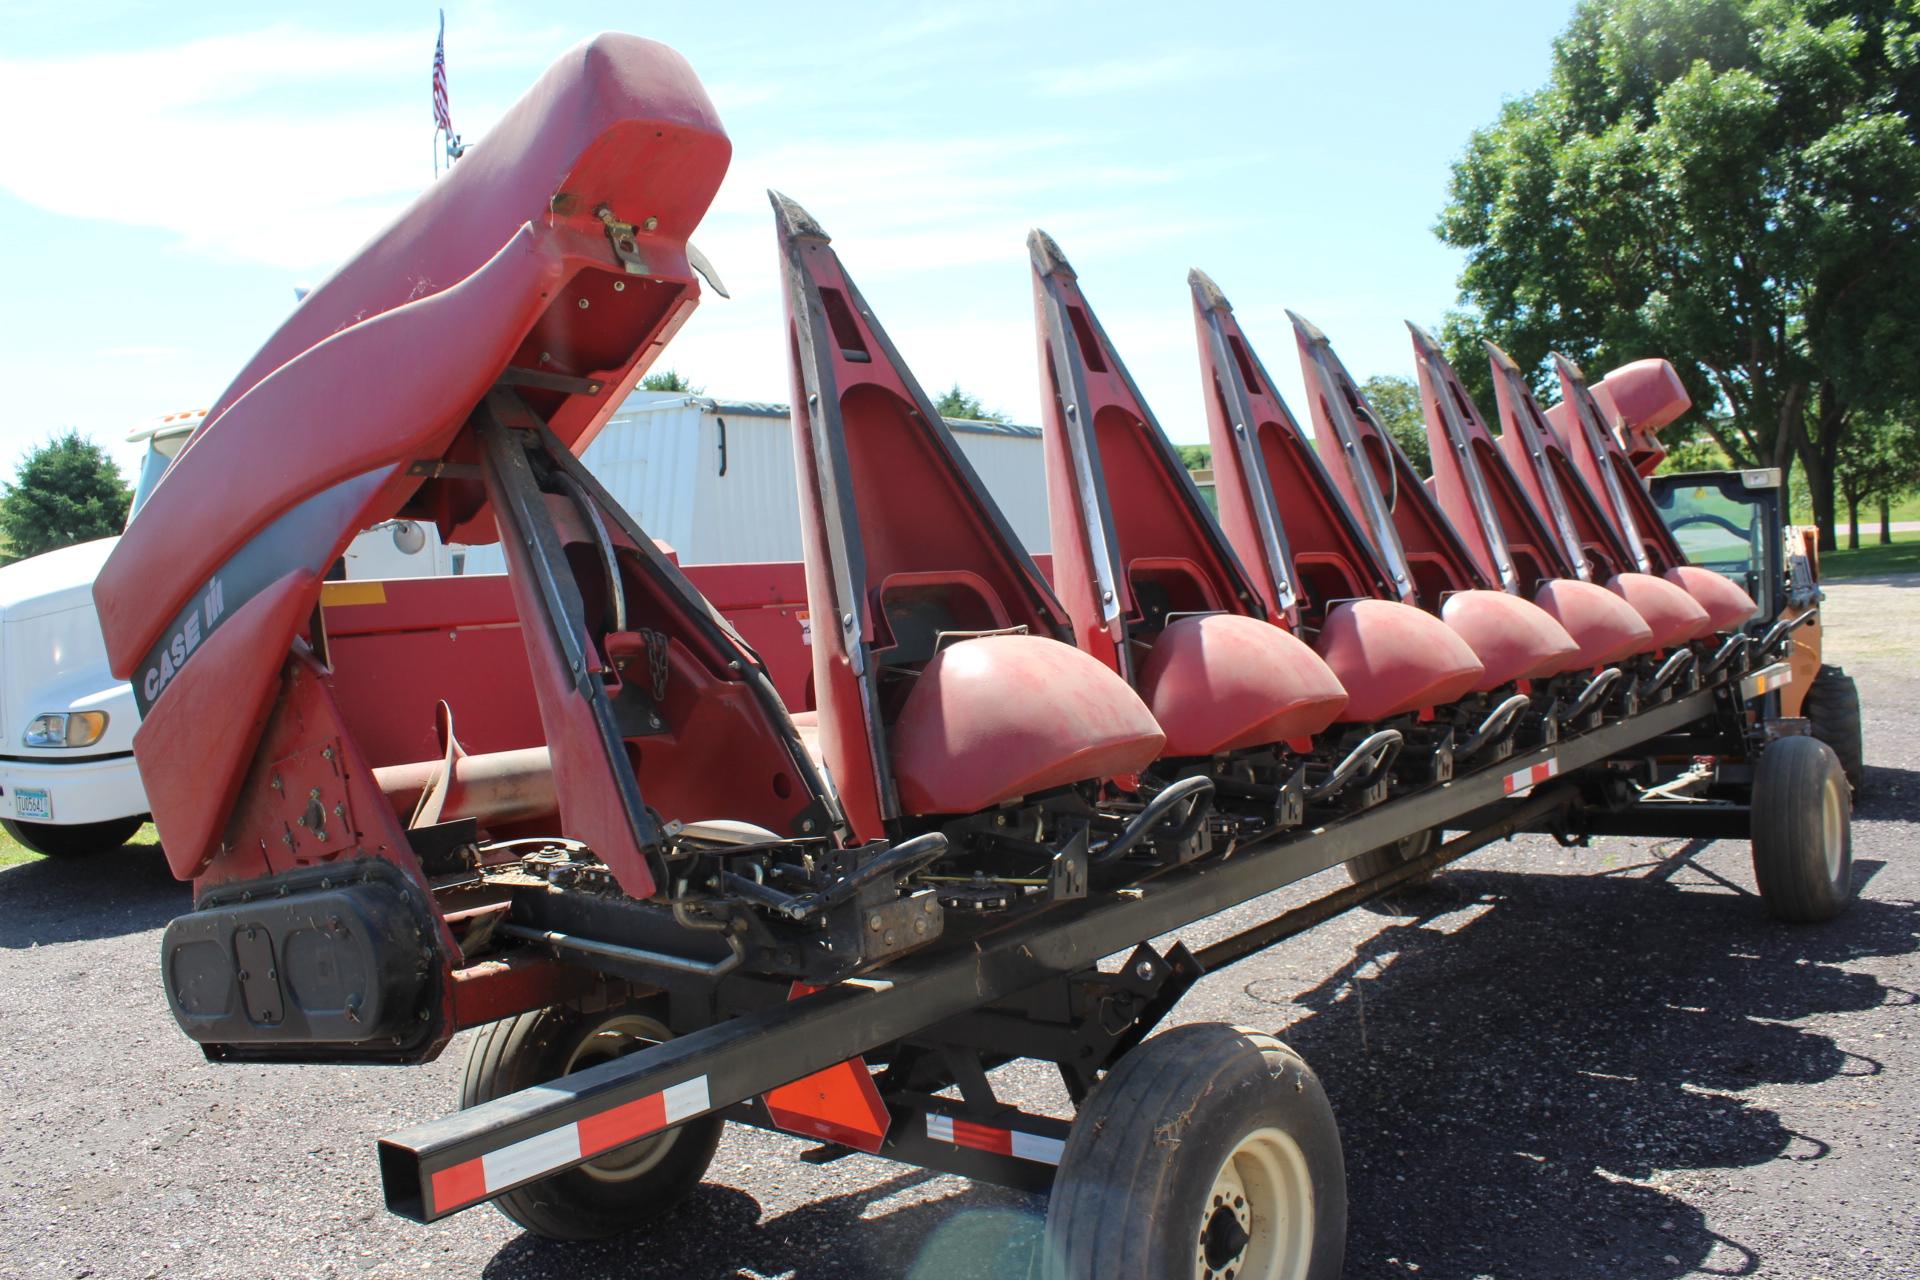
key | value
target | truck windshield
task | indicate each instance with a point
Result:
(161, 450)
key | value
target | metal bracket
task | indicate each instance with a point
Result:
(624, 237)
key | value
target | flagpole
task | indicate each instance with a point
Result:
(444, 138)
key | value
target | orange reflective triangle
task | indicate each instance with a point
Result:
(839, 1104)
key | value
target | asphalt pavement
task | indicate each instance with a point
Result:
(1601, 1062)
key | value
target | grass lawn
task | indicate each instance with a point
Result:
(12, 851)
(1902, 555)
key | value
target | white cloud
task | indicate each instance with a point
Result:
(286, 145)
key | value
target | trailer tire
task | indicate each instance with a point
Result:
(73, 840)
(623, 1189)
(1832, 706)
(1377, 862)
(1209, 1151)
(1802, 817)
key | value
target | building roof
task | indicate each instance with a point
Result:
(769, 409)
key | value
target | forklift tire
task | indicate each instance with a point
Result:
(74, 840)
(1833, 708)
(1377, 862)
(1802, 819)
(1209, 1151)
(623, 1189)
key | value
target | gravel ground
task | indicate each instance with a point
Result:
(1602, 1062)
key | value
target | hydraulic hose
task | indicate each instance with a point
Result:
(1198, 791)
(1376, 752)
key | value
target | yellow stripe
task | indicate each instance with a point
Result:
(335, 594)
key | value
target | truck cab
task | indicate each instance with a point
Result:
(68, 782)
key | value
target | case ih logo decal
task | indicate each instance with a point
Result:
(199, 620)
(308, 536)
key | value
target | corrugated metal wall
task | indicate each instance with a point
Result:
(661, 458)
(1015, 474)
(751, 513)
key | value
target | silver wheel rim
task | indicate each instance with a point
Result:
(616, 1037)
(1257, 1222)
(1832, 830)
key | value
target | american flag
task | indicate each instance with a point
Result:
(442, 118)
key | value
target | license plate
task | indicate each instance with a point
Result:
(32, 802)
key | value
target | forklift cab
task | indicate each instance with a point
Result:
(1732, 522)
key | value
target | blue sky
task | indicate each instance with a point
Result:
(168, 173)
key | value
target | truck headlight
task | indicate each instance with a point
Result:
(66, 729)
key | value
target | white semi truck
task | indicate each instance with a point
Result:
(68, 784)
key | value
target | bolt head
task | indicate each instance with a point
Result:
(874, 922)
(1144, 970)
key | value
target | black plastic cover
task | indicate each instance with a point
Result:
(329, 957)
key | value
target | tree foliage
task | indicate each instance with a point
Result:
(1396, 401)
(1879, 462)
(1733, 184)
(66, 491)
(955, 403)
(669, 380)
(1195, 457)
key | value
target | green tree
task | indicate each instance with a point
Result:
(1733, 184)
(955, 403)
(1694, 450)
(1880, 462)
(1397, 402)
(1195, 457)
(669, 380)
(66, 491)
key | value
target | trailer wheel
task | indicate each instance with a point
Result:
(1377, 862)
(623, 1189)
(73, 840)
(1210, 1151)
(1802, 819)
(1833, 707)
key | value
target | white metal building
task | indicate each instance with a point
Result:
(714, 479)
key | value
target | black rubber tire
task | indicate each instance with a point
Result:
(520, 1052)
(1802, 831)
(75, 840)
(1832, 707)
(1406, 897)
(1140, 1164)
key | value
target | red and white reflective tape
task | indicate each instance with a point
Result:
(544, 1153)
(1766, 680)
(1527, 779)
(1005, 1142)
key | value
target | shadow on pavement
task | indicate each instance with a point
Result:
(1515, 1072)
(103, 895)
(1511, 1093)
(979, 1234)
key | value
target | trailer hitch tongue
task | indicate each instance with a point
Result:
(1363, 764)
(1494, 727)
